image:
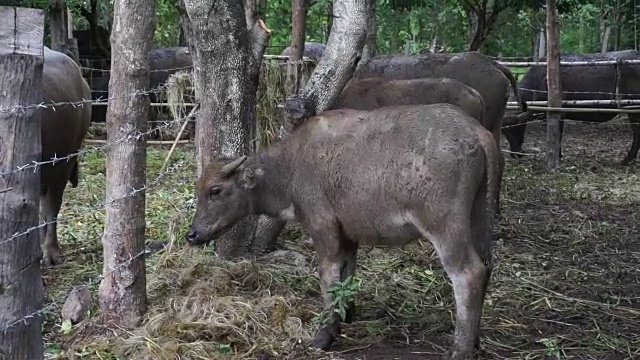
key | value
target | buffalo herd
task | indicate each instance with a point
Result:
(410, 149)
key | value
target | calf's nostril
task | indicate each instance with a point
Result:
(192, 234)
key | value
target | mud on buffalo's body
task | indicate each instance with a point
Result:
(382, 177)
(592, 82)
(62, 81)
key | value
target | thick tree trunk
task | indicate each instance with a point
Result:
(299, 10)
(122, 293)
(540, 47)
(21, 294)
(370, 46)
(227, 55)
(475, 32)
(553, 86)
(58, 25)
(71, 42)
(329, 21)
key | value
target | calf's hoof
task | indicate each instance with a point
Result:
(51, 256)
(323, 339)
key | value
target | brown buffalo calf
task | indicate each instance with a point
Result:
(383, 177)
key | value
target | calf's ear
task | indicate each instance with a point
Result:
(249, 175)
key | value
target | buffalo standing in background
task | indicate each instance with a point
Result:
(312, 50)
(162, 64)
(62, 132)
(373, 93)
(488, 77)
(591, 82)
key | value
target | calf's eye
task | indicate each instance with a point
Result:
(214, 191)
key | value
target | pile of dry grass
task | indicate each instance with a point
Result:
(272, 92)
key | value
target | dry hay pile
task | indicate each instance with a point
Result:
(202, 307)
(272, 92)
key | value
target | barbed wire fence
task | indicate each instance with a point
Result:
(134, 136)
(84, 151)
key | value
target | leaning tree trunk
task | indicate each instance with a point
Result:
(122, 293)
(339, 61)
(226, 46)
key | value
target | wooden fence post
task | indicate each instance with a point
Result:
(553, 86)
(122, 295)
(21, 294)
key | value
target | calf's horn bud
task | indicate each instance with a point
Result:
(228, 169)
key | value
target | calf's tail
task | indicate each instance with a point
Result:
(492, 164)
(514, 84)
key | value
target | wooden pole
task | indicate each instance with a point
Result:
(122, 294)
(58, 25)
(553, 86)
(21, 294)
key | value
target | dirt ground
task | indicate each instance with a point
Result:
(566, 280)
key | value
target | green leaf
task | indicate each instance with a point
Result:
(66, 326)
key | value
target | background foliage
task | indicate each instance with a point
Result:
(410, 25)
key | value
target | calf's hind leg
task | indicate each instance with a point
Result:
(634, 122)
(51, 253)
(468, 276)
(336, 262)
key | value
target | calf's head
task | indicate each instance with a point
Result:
(222, 199)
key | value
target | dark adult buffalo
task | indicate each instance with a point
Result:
(373, 93)
(486, 76)
(63, 131)
(313, 50)
(592, 82)
(382, 177)
(162, 64)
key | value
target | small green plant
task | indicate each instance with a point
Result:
(342, 293)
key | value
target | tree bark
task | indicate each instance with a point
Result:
(370, 46)
(299, 28)
(554, 86)
(329, 20)
(21, 293)
(227, 55)
(72, 43)
(58, 25)
(122, 294)
(92, 19)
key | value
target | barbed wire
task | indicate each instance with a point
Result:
(151, 71)
(270, 58)
(581, 92)
(132, 135)
(53, 305)
(94, 208)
